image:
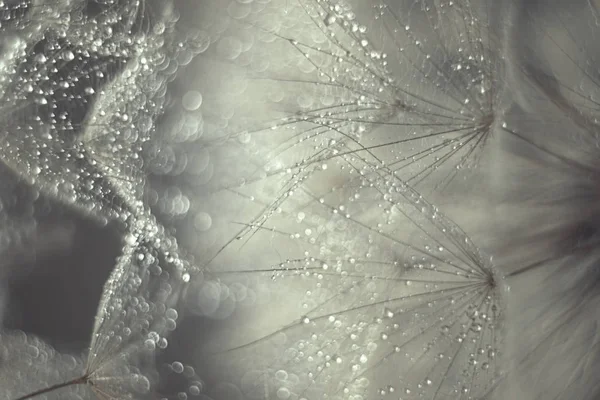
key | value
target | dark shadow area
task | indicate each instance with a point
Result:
(59, 298)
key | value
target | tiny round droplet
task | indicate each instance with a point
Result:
(192, 100)
(177, 367)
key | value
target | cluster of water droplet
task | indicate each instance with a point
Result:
(80, 100)
(28, 364)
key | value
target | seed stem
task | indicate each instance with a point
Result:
(76, 381)
(574, 251)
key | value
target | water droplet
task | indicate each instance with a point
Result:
(192, 100)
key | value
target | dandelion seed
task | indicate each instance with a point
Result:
(72, 99)
(134, 317)
(380, 93)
